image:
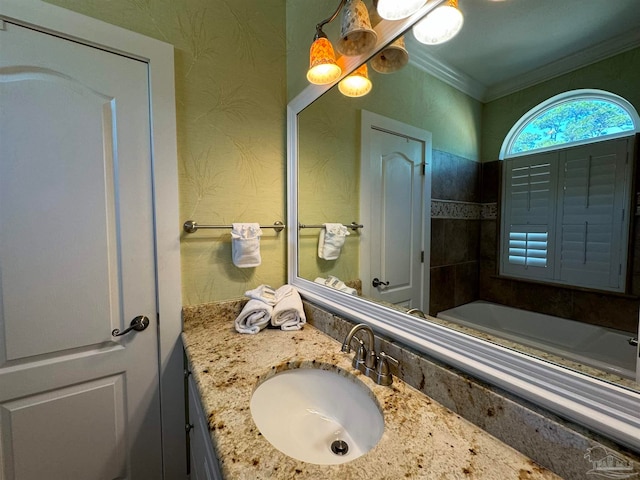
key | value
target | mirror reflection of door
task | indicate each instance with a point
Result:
(394, 185)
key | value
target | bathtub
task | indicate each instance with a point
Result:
(599, 347)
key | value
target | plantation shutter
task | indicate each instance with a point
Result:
(528, 216)
(591, 214)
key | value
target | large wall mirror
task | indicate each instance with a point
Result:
(454, 104)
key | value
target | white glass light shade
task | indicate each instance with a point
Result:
(439, 26)
(392, 58)
(356, 35)
(397, 9)
(357, 84)
(322, 63)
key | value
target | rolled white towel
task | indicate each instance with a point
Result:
(331, 240)
(336, 283)
(264, 293)
(288, 314)
(255, 316)
(245, 244)
(268, 295)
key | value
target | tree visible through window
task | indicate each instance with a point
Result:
(575, 117)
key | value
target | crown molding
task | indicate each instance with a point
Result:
(466, 84)
(622, 43)
(448, 74)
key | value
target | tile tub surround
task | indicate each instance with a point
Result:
(422, 439)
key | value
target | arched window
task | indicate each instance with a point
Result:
(571, 118)
(566, 191)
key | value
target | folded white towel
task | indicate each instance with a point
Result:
(332, 238)
(268, 295)
(264, 293)
(254, 317)
(288, 314)
(336, 283)
(245, 244)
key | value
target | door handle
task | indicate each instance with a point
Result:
(138, 324)
(376, 283)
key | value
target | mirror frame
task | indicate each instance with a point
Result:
(602, 407)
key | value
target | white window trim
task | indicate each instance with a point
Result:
(573, 95)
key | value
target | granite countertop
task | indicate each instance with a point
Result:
(422, 439)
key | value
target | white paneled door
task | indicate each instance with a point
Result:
(396, 220)
(395, 188)
(76, 262)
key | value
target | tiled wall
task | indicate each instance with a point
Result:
(609, 310)
(455, 231)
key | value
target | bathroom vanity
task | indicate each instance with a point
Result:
(421, 439)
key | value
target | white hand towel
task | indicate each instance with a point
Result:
(264, 293)
(268, 295)
(254, 317)
(245, 244)
(288, 314)
(332, 238)
(335, 282)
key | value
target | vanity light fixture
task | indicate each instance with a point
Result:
(357, 84)
(356, 35)
(398, 9)
(440, 25)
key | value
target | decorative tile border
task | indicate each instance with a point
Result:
(489, 211)
(463, 210)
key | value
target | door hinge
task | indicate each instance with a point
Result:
(422, 256)
(423, 169)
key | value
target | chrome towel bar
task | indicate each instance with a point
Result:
(190, 226)
(353, 226)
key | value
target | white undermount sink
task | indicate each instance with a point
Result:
(317, 416)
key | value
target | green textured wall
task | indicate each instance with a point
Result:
(230, 60)
(617, 75)
(329, 151)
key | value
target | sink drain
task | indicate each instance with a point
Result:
(339, 447)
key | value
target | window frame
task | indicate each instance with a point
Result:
(565, 97)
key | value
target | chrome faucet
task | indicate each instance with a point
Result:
(366, 360)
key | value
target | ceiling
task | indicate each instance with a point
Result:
(507, 45)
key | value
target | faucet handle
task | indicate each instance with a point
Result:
(383, 375)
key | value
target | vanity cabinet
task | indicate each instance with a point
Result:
(203, 461)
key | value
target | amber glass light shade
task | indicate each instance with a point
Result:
(357, 84)
(322, 63)
(440, 25)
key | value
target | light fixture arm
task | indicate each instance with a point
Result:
(319, 32)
